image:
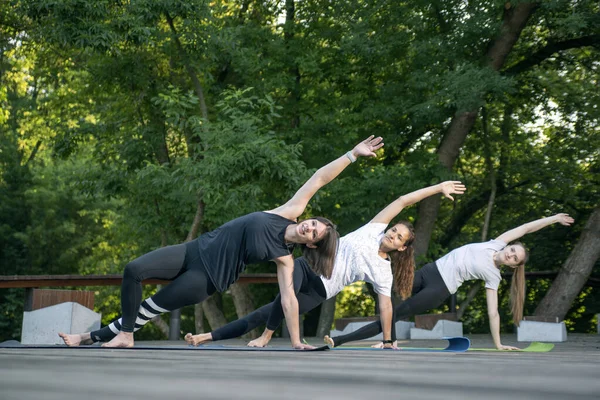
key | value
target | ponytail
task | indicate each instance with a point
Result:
(517, 293)
(403, 264)
(517, 288)
(322, 258)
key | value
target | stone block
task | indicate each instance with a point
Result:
(402, 329)
(428, 321)
(42, 326)
(442, 329)
(534, 331)
(541, 319)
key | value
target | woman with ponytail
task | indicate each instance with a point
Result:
(372, 254)
(436, 281)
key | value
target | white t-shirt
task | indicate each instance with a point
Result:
(473, 261)
(358, 259)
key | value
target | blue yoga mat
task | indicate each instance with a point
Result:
(246, 348)
(16, 344)
(455, 345)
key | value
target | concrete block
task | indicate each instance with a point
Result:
(533, 331)
(402, 330)
(42, 326)
(442, 328)
(428, 321)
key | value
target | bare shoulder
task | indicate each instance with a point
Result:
(282, 211)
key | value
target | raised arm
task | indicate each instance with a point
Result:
(518, 232)
(446, 188)
(494, 317)
(296, 205)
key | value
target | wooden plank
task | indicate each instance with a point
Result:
(50, 297)
(36, 281)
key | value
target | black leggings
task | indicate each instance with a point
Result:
(429, 291)
(179, 264)
(309, 290)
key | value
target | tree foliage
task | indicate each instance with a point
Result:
(121, 121)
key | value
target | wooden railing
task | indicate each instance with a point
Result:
(36, 281)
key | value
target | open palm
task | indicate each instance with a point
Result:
(368, 147)
(452, 187)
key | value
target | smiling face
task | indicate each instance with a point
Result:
(395, 238)
(512, 255)
(310, 231)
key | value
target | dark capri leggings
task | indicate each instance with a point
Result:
(429, 291)
(309, 290)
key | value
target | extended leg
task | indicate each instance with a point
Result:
(164, 263)
(431, 291)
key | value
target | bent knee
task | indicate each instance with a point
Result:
(133, 270)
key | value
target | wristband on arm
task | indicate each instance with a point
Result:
(351, 156)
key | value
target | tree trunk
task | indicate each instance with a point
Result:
(574, 273)
(326, 317)
(514, 20)
(294, 70)
(198, 319)
(197, 220)
(212, 311)
(188, 67)
(242, 300)
(447, 153)
(161, 325)
(490, 165)
(470, 296)
(488, 212)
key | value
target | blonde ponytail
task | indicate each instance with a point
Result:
(517, 288)
(517, 293)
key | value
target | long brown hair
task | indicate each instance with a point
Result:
(322, 257)
(517, 287)
(403, 264)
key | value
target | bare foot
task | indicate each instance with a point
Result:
(328, 341)
(195, 340)
(123, 339)
(261, 341)
(76, 339)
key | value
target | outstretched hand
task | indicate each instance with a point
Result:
(564, 219)
(452, 187)
(303, 346)
(368, 147)
(503, 347)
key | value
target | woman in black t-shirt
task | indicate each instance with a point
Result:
(214, 261)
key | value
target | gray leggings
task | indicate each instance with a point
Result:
(429, 291)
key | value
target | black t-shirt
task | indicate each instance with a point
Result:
(253, 238)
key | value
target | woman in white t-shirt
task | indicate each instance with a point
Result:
(436, 281)
(372, 254)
